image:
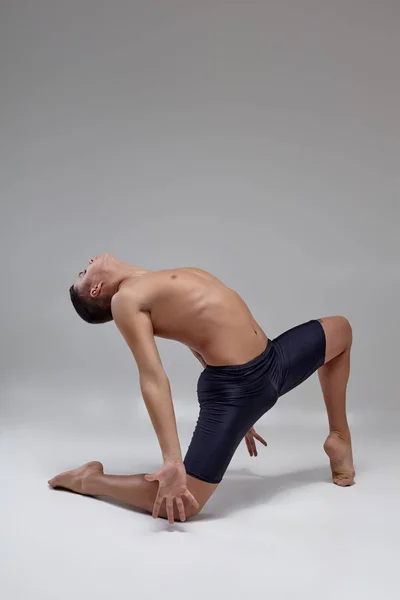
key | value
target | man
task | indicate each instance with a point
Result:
(244, 374)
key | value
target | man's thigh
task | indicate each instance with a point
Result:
(301, 351)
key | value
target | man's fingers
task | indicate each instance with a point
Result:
(157, 506)
(151, 477)
(260, 439)
(248, 446)
(191, 499)
(255, 453)
(181, 509)
(170, 510)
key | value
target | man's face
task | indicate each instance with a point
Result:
(96, 269)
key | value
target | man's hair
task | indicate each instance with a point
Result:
(91, 310)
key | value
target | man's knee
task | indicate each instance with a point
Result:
(338, 326)
(193, 512)
(346, 330)
(339, 336)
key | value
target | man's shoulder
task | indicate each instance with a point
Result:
(128, 293)
(136, 294)
(143, 291)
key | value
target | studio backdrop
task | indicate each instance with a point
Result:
(256, 140)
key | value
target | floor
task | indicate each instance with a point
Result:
(276, 525)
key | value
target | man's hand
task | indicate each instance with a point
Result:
(250, 438)
(172, 486)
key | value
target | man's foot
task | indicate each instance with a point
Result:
(77, 479)
(338, 448)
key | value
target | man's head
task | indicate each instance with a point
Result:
(94, 287)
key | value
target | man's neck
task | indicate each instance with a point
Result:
(127, 273)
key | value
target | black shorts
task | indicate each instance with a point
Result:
(233, 398)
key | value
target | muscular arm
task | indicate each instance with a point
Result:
(136, 328)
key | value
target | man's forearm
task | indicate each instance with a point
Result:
(157, 397)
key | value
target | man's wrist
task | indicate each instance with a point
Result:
(172, 457)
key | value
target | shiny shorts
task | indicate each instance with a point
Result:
(233, 398)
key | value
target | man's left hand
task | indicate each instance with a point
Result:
(251, 437)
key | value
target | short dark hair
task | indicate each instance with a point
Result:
(90, 310)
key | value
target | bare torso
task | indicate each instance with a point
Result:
(195, 308)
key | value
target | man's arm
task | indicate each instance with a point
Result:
(136, 327)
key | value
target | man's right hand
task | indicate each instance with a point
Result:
(172, 487)
(251, 437)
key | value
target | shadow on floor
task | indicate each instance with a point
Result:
(242, 489)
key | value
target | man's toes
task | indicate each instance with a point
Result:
(55, 481)
(343, 482)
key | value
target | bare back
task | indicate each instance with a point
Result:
(195, 308)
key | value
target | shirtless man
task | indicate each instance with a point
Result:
(244, 374)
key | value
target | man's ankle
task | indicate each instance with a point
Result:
(342, 434)
(90, 484)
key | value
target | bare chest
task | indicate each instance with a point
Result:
(184, 317)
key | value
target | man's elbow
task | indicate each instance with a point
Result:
(154, 384)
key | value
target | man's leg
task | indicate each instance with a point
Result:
(333, 376)
(131, 489)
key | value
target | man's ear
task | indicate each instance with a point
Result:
(95, 289)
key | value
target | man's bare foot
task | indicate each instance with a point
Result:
(77, 479)
(338, 448)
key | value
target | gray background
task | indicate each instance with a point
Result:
(257, 140)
